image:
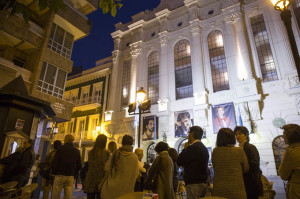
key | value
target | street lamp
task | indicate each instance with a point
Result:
(286, 16)
(144, 107)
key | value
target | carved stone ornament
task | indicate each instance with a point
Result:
(244, 111)
(115, 55)
(163, 38)
(227, 3)
(254, 110)
(195, 29)
(200, 117)
(294, 81)
(297, 102)
(232, 17)
(162, 105)
(136, 49)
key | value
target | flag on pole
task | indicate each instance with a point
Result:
(136, 117)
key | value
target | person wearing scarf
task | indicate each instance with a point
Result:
(122, 171)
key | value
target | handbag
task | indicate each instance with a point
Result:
(151, 182)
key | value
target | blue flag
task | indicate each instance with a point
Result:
(240, 117)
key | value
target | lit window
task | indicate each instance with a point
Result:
(153, 77)
(52, 80)
(217, 61)
(183, 70)
(125, 83)
(61, 41)
(263, 48)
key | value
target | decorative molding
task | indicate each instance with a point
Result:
(195, 28)
(243, 111)
(163, 105)
(254, 110)
(297, 103)
(200, 98)
(232, 17)
(115, 56)
(136, 49)
(229, 3)
(201, 117)
(294, 81)
(163, 36)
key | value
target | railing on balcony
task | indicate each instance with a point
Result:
(86, 100)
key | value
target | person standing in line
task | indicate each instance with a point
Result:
(229, 164)
(97, 158)
(174, 156)
(252, 179)
(122, 170)
(65, 165)
(290, 166)
(112, 147)
(194, 159)
(139, 183)
(47, 183)
(21, 172)
(162, 169)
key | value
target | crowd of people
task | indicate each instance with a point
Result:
(112, 172)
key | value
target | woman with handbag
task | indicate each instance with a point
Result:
(97, 159)
(161, 173)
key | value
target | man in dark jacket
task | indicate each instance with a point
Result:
(66, 164)
(21, 172)
(194, 159)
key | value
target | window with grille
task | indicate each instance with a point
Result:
(52, 80)
(61, 41)
(153, 77)
(218, 61)
(183, 69)
(263, 48)
(125, 83)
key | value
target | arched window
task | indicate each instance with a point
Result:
(151, 154)
(183, 69)
(279, 148)
(217, 61)
(153, 77)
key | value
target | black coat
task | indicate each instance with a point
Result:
(67, 161)
(252, 179)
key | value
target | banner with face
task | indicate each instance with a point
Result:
(183, 122)
(223, 116)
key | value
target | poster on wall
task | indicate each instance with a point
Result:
(150, 128)
(183, 122)
(19, 124)
(223, 116)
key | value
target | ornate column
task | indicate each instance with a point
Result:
(135, 51)
(231, 46)
(197, 63)
(163, 73)
(244, 62)
(112, 105)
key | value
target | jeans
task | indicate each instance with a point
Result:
(195, 191)
(61, 182)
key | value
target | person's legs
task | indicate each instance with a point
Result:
(195, 191)
(90, 195)
(68, 186)
(46, 188)
(57, 187)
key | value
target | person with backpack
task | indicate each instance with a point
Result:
(45, 170)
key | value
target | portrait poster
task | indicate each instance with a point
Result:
(183, 121)
(19, 124)
(223, 116)
(150, 128)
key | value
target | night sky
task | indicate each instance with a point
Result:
(99, 44)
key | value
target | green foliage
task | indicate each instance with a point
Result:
(110, 5)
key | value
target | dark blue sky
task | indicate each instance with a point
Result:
(99, 44)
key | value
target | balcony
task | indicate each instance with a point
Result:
(86, 136)
(86, 101)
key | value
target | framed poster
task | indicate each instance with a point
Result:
(150, 128)
(223, 116)
(183, 122)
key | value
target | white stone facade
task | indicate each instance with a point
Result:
(259, 101)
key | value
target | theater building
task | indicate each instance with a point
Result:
(206, 60)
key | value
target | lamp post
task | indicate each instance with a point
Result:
(286, 17)
(144, 107)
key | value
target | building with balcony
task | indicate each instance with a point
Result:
(40, 51)
(88, 92)
(194, 57)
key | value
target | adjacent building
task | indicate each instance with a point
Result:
(207, 60)
(88, 91)
(40, 51)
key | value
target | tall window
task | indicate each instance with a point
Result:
(263, 48)
(153, 77)
(183, 69)
(125, 83)
(217, 61)
(96, 94)
(52, 80)
(61, 41)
